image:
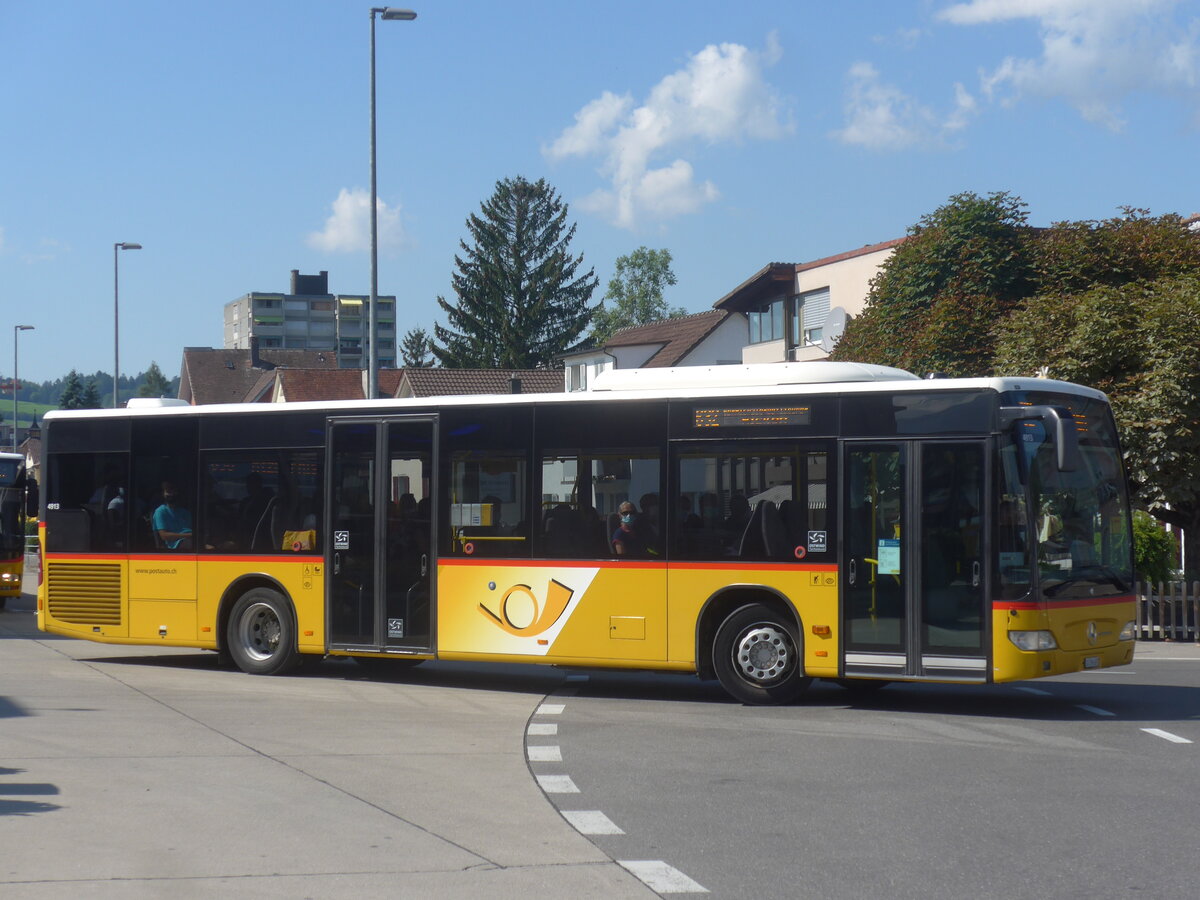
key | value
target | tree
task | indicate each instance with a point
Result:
(520, 302)
(72, 394)
(636, 294)
(1139, 344)
(91, 396)
(416, 349)
(935, 301)
(156, 384)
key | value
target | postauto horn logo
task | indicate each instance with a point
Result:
(519, 613)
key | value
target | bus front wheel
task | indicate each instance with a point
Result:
(756, 654)
(262, 634)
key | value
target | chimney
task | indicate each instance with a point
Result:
(255, 359)
(295, 281)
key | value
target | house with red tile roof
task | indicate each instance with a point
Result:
(236, 376)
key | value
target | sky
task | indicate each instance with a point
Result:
(231, 139)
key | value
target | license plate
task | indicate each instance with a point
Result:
(1091, 662)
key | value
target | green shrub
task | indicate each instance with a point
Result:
(1155, 550)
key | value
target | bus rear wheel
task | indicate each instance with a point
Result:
(261, 634)
(756, 654)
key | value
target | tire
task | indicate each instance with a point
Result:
(3, 600)
(757, 657)
(261, 634)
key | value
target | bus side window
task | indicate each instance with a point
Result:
(581, 495)
(743, 503)
(488, 515)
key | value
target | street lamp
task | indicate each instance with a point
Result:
(17, 329)
(387, 13)
(120, 245)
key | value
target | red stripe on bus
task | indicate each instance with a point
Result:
(1060, 604)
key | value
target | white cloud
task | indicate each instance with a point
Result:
(721, 95)
(1094, 52)
(348, 229)
(880, 116)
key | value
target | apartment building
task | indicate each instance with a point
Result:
(309, 317)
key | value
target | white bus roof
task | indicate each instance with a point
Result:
(685, 382)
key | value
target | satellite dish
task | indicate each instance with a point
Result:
(835, 325)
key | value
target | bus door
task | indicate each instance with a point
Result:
(913, 551)
(380, 508)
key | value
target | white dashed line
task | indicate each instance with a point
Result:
(1166, 736)
(542, 728)
(591, 821)
(557, 784)
(1035, 691)
(550, 709)
(658, 876)
(1094, 710)
(551, 753)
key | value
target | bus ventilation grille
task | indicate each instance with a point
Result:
(84, 593)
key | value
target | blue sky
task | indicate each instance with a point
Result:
(230, 140)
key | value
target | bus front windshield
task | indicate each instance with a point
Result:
(1074, 523)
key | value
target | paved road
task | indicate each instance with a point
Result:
(1080, 786)
(149, 772)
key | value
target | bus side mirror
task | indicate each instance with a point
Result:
(32, 499)
(1058, 421)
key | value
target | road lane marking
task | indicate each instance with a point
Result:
(557, 784)
(1166, 736)
(551, 753)
(658, 876)
(541, 728)
(550, 709)
(590, 821)
(1094, 710)
(1036, 691)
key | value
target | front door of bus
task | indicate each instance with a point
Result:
(381, 511)
(913, 572)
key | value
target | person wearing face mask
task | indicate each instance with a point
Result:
(625, 540)
(172, 523)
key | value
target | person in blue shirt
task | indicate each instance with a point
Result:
(626, 541)
(172, 523)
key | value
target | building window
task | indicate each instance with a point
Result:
(766, 322)
(809, 312)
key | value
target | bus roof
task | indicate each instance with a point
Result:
(685, 382)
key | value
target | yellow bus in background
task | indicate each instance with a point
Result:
(761, 525)
(13, 486)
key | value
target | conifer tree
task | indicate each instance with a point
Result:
(520, 302)
(156, 384)
(72, 395)
(415, 349)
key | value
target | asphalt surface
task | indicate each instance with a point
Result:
(132, 772)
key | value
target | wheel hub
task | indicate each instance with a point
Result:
(763, 654)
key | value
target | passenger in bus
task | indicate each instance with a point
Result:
(625, 540)
(172, 524)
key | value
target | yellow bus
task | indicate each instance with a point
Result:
(760, 525)
(12, 524)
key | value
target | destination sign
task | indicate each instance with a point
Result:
(753, 416)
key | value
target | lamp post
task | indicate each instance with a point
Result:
(17, 329)
(387, 13)
(120, 245)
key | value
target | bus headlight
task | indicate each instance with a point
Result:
(1128, 632)
(7, 576)
(1033, 640)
